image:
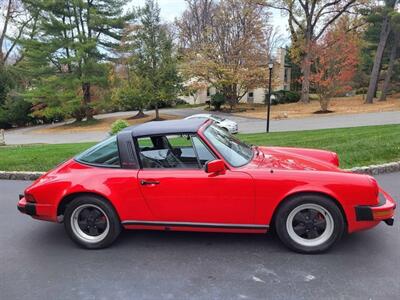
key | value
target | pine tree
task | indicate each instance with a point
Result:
(68, 56)
(152, 60)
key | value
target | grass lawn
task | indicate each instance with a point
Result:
(358, 146)
(102, 124)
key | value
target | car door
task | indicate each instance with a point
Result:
(182, 191)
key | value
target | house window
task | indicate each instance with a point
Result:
(208, 92)
(286, 78)
(250, 96)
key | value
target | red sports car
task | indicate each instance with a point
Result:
(191, 175)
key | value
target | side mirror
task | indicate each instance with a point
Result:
(215, 166)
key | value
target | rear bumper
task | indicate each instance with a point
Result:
(384, 211)
(25, 207)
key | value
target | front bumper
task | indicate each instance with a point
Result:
(384, 211)
(233, 129)
(25, 207)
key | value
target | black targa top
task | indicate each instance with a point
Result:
(166, 127)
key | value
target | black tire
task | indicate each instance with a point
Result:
(111, 218)
(300, 244)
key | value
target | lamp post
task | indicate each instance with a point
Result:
(270, 66)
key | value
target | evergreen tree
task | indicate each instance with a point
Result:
(68, 56)
(152, 62)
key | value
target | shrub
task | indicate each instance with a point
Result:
(117, 126)
(15, 112)
(180, 102)
(49, 114)
(217, 100)
(283, 96)
(361, 91)
(76, 110)
(4, 124)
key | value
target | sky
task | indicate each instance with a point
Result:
(170, 9)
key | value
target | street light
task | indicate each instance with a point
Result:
(270, 66)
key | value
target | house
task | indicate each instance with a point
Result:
(282, 78)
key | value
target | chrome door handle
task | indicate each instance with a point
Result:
(149, 182)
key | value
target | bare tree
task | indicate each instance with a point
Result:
(308, 20)
(226, 44)
(385, 32)
(196, 22)
(389, 71)
(15, 23)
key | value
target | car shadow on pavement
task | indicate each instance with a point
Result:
(52, 237)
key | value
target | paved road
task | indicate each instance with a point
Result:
(252, 125)
(38, 261)
(246, 125)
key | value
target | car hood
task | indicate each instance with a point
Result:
(295, 159)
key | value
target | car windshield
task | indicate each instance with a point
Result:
(233, 150)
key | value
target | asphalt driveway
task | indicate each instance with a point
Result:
(38, 261)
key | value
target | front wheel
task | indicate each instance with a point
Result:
(91, 222)
(309, 223)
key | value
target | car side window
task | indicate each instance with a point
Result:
(103, 154)
(203, 153)
(168, 152)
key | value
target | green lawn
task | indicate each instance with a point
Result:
(357, 146)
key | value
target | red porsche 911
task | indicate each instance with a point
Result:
(192, 175)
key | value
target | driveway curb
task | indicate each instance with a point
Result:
(370, 170)
(378, 169)
(11, 175)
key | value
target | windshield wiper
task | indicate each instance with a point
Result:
(257, 150)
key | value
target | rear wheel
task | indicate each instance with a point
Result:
(91, 222)
(309, 223)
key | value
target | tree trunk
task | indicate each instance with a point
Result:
(306, 70)
(373, 83)
(3, 32)
(389, 71)
(157, 112)
(87, 97)
(140, 114)
(229, 92)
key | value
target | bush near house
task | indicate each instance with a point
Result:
(283, 96)
(217, 100)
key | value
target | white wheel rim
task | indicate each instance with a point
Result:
(294, 226)
(76, 224)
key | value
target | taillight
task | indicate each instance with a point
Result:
(383, 214)
(29, 198)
